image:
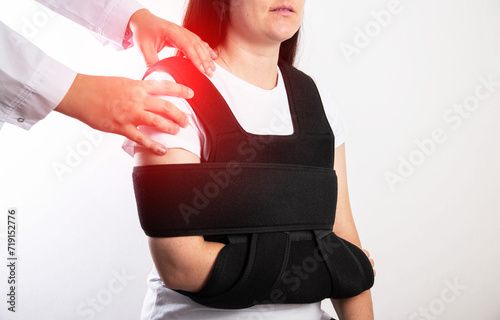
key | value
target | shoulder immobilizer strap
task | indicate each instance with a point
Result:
(230, 198)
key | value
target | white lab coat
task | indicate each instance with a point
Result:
(31, 83)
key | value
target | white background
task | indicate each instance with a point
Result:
(433, 234)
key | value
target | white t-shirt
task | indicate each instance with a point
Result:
(258, 111)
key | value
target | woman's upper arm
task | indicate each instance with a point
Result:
(344, 225)
(190, 138)
(172, 256)
(144, 157)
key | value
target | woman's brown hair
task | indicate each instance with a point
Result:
(209, 20)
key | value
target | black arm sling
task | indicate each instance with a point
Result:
(271, 199)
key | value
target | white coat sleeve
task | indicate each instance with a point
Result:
(32, 84)
(107, 18)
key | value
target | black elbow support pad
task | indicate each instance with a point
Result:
(270, 199)
(285, 267)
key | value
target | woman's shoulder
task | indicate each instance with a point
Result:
(159, 75)
(171, 68)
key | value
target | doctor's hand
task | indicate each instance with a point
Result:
(118, 105)
(151, 34)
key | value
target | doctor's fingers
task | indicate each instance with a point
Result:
(197, 51)
(199, 54)
(160, 114)
(137, 136)
(167, 88)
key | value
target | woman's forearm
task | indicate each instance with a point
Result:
(356, 308)
(359, 307)
(184, 263)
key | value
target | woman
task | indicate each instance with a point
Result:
(250, 37)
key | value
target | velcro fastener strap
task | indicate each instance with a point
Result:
(232, 198)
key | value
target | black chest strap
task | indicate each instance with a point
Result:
(214, 198)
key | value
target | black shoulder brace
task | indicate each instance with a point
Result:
(275, 206)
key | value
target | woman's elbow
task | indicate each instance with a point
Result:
(174, 278)
(178, 261)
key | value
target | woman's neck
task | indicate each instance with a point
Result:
(254, 64)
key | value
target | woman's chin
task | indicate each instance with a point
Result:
(282, 34)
